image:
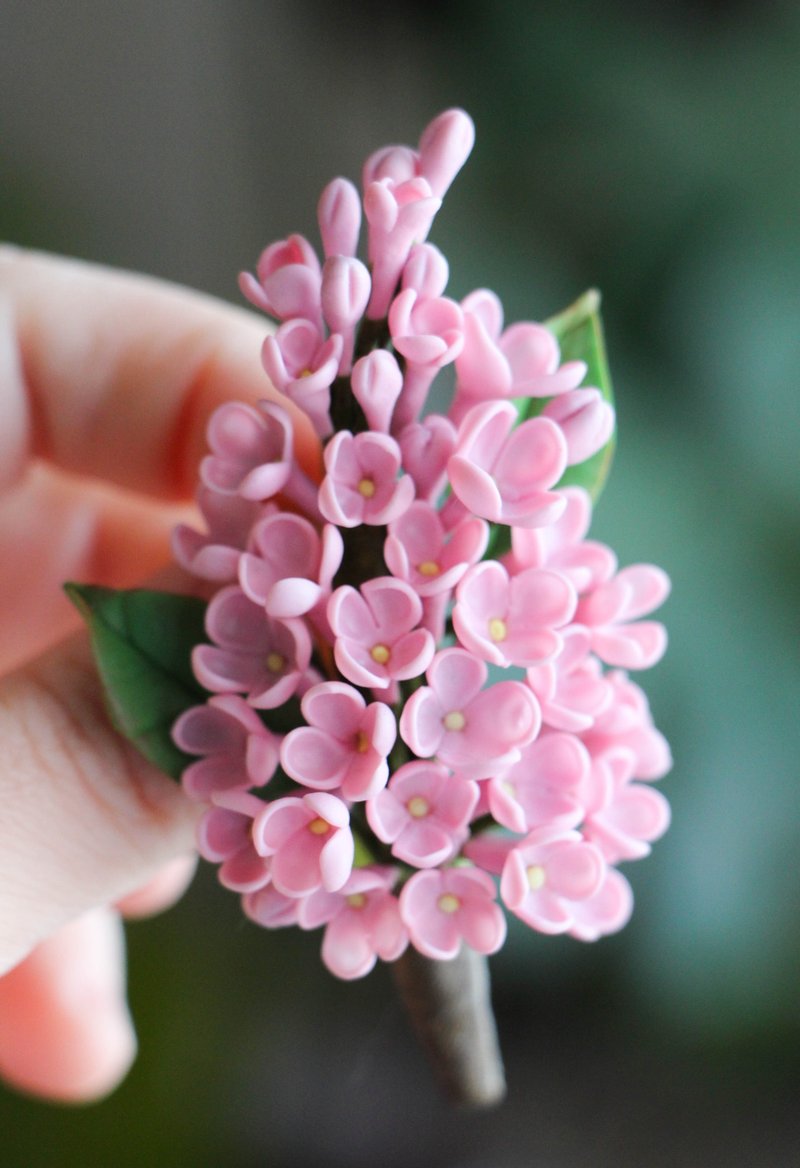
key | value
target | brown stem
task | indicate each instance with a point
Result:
(450, 1010)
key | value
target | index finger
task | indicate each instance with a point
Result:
(114, 375)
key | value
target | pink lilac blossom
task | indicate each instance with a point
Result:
(416, 668)
(503, 471)
(378, 640)
(252, 653)
(399, 214)
(224, 836)
(308, 840)
(423, 813)
(361, 484)
(287, 281)
(362, 922)
(420, 551)
(610, 613)
(301, 362)
(215, 555)
(251, 451)
(428, 333)
(606, 911)
(443, 907)
(469, 728)
(562, 545)
(426, 272)
(622, 817)
(290, 566)
(512, 620)
(269, 908)
(544, 786)
(627, 722)
(523, 361)
(572, 690)
(344, 745)
(546, 874)
(237, 749)
(426, 448)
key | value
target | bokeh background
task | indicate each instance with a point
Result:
(648, 149)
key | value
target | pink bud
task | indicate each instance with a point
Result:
(426, 271)
(376, 382)
(444, 147)
(398, 163)
(287, 280)
(345, 292)
(339, 216)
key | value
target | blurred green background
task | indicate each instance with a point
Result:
(651, 150)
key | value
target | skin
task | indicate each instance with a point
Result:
(107, 381)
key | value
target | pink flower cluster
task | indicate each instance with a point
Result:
(420, 713)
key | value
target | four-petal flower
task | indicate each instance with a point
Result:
(377, 638)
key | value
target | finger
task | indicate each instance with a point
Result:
(65, 1030)
(115, 375)
(84, 819)
(63, 528)
(162, 891)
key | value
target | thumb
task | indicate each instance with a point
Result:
(84, 819)
(65, 1030)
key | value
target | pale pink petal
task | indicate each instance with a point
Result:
(574, 870)
(421, 722)
(245, 871)
(585, 419)
(336, 859)
(456, 676)
(276, 824)
(607, 911)
(483, 927)
(313, 758)
(634, 646)
(270, 908)
(346, 948)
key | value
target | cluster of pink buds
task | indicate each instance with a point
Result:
(420, 715)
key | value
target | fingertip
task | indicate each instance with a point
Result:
(65, 1030)
(162, 891)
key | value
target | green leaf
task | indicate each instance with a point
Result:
(579, 332)
(142, 642)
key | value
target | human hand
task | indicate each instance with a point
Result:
(106, 383)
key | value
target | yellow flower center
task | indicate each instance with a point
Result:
(536, 877)
(319, 826)
(428, 568)
(275, 662)
(497, 629)
(362, 742)
(449, 903)
(356, 900)
(366, 488)
(455, 720)
(380, 654)
(418, 807)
